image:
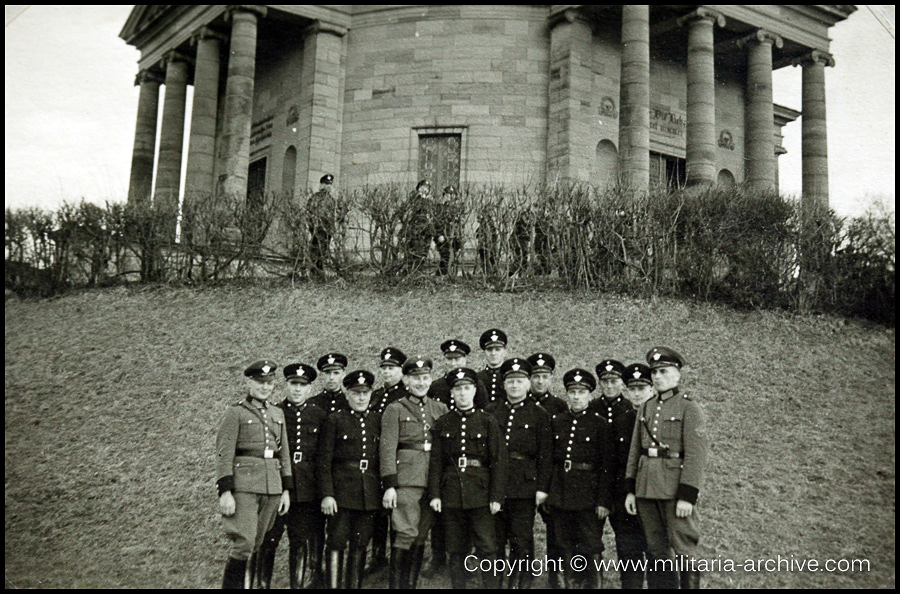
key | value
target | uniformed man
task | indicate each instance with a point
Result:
(304, 519)
(406, 441)
(456, 354)
(332, 367)
(350, 481)
(467, 477)
(493, 342)
(324, 216)
(638, 385)
(620, 416)
(665, 469)
(581, 481)
(390, 367)
(542, 367)
(448, 217)
(529, 446)
(253, 472)
(417, 229)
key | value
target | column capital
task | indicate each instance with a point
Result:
(259, 10)
(569, 16)
(149, 75)
(325, 27)
(761, 36)
(175, 56)
(814, 57)
(702, 14)
(207, 33)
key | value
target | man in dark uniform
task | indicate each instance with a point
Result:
(390, 366)
(493, 342)
(638, 385)
(324, 216)
(665, 470)
(581, 484)
(529, 445)
(455, 354)
(620, 416)
(417, 230)
(542, 367)
(406, 442)
(467, 477)
(304, 519)
(349, 480)
(253, 472)
(448, 218)
(332, 367)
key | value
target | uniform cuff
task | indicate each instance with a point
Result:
(226, 483)
(390, 481)
(630, 485)
(687, 493)
(287, 482)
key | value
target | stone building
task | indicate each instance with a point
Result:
(474, 94)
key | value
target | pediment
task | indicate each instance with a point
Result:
(143, 17)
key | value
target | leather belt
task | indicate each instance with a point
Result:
(520, 457)
(464, 462)
(569, 465)
(660, 453)
(413, 446)
(254, 453)
(362, 465)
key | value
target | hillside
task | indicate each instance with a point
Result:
(113, 398)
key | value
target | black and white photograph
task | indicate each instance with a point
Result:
(450, 296)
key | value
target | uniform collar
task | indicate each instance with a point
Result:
(290, 404)
(362, 414)
(516, 405)
(578, 414)
(464, 413)
(671, 393)
(254, 403)
(610, 402)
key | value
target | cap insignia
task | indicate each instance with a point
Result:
(637, 374)
(420, 363)
(452, 347)
(609, 368)
(540, 361)
(493, 337)
(266, 368)
(330, 359)
(577, 378)
(362, 379)
(387, 356)
(515, 367)
(656, 356)
(460, 375)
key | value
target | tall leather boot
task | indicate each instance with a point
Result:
(488, 580)
(379, 545)
(438, 562)
(354, 567)
(403, 568)
(334, 566)
(250, 572)
(234, 574)
(416, 556)
(690, 579)
(394, 567)
(555, 579)
(595, 572)
(297, 565)
(458, 573)
(266, 564)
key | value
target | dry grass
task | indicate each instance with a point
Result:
(113, 397)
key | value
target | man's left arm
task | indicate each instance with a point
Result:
(695, 450)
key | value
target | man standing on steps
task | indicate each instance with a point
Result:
(253, 472)
(406, 441)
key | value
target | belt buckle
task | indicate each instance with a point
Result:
(363, 465)
(298, 457)
(567, 465)
(268, 453)
(653, 452)
(427, 446)
(462, 462)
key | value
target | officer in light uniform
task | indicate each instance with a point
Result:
(332, 368)
(493, 342)
(529, 447)
(581, 484)
(304, 520)
(390, 367)
(467, 477)
(253, 472)
(620, 416)
(406, 442)
(349, 480)
(665, 467)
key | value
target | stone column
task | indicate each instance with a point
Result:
(570, 84)
(171, 137)
(238, 108)
(814, 150)
(320, 121)
(199, 181)
(634, 98)
(701, 96)
(759, 144)
(140, 186)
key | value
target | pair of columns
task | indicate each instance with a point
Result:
(761, 167)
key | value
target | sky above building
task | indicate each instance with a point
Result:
(71, 108)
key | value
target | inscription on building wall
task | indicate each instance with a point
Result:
(667, 122)
(260, 132)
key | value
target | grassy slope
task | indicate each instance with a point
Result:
(113, 397)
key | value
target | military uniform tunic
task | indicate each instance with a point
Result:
(440, 391)
(252, 461)
(330, 401)
(385, 395)
(406, 442)
(492, 380)
(529, 445)
(549, 402)
(665, 465)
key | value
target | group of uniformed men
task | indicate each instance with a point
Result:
(467, 457)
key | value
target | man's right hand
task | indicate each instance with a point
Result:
(436, 505)
(631, 504)
(329, 506)
(389, 501)
(226, 504)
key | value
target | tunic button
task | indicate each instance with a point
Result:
(568, 449)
